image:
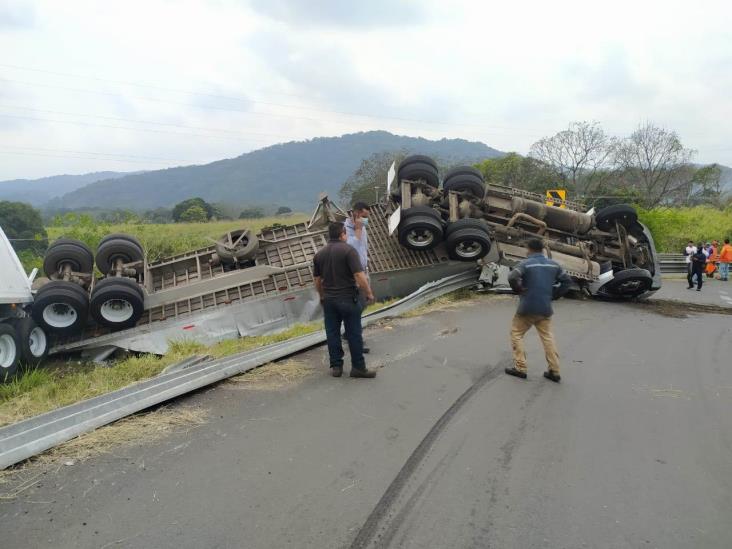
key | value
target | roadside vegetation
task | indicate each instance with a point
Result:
(673, 227)
(159, 240)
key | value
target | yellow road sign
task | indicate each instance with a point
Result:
(555, 197)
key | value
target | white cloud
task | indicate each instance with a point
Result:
(195, 81)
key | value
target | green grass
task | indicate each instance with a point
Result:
(673, 227)
(159, 240)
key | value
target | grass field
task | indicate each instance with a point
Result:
(673, 227)
(158, 240)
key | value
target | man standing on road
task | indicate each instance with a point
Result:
(357, 236)
(688, 252)
(534, 279)
(698, 261)
(338, 277)
(725, 258)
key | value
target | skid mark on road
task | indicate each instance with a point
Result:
(374, 527)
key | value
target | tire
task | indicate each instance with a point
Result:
(121, 236)
(628, 284)
(417, 171)
(33, 341)
(468, 240)
(463, 170)
(61, 307)
(624, 214)
(420, 229)
(421, 210)
(417, 158)
(465, 183)
(117, 248)
(117, 303)
(68, 250)
(246, 250)
(9, 352)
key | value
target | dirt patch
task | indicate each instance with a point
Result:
(137, 429)
(272, 376)
(679, 309)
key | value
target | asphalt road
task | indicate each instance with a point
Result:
(632, 449)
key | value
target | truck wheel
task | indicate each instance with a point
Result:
(121, 236)
(117, 303)
(9, 352)
(33, 341)
(628, 284)
(624, 214)
(463, 170)
(117, 248)
(61, 307)
(67, 250)
(417, 158)
(245, 250)
(468, 240)
(420, 229)
(465, 183)
(415, 172)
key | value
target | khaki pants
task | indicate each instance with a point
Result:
(543, 324)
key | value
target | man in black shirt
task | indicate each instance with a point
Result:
(338, 277)
(698, 262)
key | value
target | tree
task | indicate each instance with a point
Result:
(575, 153)
(369, 180)
(181, 207)
(158, 215)
(23, 226)
(521, 172)
(706, 186)
(194, 214)
(283, 210)
(654, 161)
(251, 213)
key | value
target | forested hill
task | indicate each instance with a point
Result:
(291, 174)
(40, 191)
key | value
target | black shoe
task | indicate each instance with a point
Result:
(366, 350)
(336, 371)
(689, 287)
(362, 372)
(515, 372)
(556, 378)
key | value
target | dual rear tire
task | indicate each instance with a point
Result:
(21, 342)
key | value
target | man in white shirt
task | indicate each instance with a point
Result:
(688, 252)
(357, 236)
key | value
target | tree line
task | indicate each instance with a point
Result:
(650, 167)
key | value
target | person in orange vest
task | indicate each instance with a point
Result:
(712, 259)
(725, 258)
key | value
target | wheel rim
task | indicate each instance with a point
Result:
(59, 315)
(420, 238)
(116, 311)
(8, 351)
(468, 249)
(37, 342)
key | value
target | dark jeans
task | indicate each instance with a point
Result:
(699, 278)
(343, 310)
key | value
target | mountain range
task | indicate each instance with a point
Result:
(289, 174)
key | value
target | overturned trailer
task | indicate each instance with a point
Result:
(608, 253)
(246, 284)
(243, 285)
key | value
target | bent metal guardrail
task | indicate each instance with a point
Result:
(27, 438)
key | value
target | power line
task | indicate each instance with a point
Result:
(135, 121)
(67, 157)
(282, 115)
(96, 153)
(146, 130)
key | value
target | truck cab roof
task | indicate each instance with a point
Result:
(14, 284)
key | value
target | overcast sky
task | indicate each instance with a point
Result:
(136, 85)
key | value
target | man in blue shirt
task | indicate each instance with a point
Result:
(356, 234)
(535, 279)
